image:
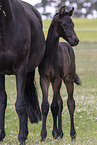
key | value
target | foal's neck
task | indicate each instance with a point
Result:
(51, 42)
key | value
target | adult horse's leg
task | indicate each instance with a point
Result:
(45, 106)
(3, 104)
(71, 104)
(56, 108)
(21, 105)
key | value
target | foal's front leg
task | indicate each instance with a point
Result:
(56, 108)
(45, 106)
(3, 104)
(20, 104)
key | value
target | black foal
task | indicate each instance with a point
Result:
(59, 64)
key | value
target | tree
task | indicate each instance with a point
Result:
(83, 8)
(43, 4)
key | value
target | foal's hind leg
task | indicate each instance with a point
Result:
(3, 104)
(45, 106)
(56, 108)
(71, 104)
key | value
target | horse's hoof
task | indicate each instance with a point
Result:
(60, 135)
(55, 134)
(43, 135)
(43, 138)
(2, 135)
(73, 137)
(22, 143)
(1, 140)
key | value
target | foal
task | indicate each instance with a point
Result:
(59, 64)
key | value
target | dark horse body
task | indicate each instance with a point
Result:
(59, 64)
(22, 48)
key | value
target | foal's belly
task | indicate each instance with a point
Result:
(50, 73)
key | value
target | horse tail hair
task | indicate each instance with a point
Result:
(31, 99)
(77, 79)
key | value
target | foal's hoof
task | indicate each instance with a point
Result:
(43, 135)
(55, 134)
(43, 138)
(22, 143)
(2, 135)
(60, 135)
(73, 137)
(1, 141)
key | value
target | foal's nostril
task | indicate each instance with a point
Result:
(76, 40)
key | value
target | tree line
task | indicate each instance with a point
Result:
(83, 8)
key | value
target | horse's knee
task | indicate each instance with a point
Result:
(45, 108)
(71, 104)
(20, 108)
(54, 108)
(60, 104)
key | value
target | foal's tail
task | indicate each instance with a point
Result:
(77, 80)
(31, 99)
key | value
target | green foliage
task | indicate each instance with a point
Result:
(83, 8)
(43, 4)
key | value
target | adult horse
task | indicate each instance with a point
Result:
(59, 64)
(21, 50)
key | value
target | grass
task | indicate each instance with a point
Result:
(85, 98)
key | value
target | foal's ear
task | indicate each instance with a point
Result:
(62, 11)
(71, 12)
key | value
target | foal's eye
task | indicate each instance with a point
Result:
(64, 24)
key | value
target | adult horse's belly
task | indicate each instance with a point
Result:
(9, 62)
(12, 58)
(6, 66)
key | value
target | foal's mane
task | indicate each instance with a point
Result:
(53, 23)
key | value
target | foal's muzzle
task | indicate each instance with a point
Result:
(74, 41)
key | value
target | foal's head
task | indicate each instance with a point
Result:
(64, 26)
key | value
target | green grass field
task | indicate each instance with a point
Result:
(85, 97)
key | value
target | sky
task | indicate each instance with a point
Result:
(33, 2)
